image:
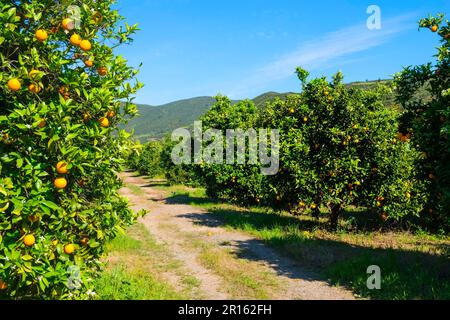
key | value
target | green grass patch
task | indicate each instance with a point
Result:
(121, 283)
(414, 266)
(137, 191)
(242, 279)
(136, 267)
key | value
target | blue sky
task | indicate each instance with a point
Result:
(242, 48)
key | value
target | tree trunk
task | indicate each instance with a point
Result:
(336, 210)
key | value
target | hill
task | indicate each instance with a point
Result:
(154, 122)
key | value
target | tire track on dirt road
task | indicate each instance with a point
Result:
(175, 225)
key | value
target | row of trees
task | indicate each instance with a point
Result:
(342, 147)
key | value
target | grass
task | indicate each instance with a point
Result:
(414, 266)
(242, 279)
(135, 264)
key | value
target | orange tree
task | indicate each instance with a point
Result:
(148, 160)
(426, 121)
(63, 94)
(339, 147)
(241, 183)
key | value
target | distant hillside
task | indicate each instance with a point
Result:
(155, 122)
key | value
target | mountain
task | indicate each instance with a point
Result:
(157, 121)
(154, 122)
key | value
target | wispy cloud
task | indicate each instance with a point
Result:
(323, 50)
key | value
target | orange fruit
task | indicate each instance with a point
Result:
(69, 248)
(60, 183)
(61, 167)
(29, 240)
(85, 45)
(75, 39)
(112, 114)
(41, 35)
(103, 71)
(14, 84)
(63, 90)
(104, 122)
(42, 124)
(89, 63)
(34, 88)
(314, 206)
(434, 28)
(3, 285)
(68, 24)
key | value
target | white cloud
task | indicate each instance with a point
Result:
(323, 50)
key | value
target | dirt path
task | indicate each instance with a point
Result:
(176, 226)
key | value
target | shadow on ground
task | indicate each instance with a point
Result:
(406, 274)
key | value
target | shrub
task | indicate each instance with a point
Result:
(63, 95)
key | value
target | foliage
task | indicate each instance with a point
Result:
(148, 160)
(62, 98)
(427, 123)
(240, 183)
(339, 147)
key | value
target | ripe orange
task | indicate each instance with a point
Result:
(89, 63)
(103, 71)
(85, 45)
(112, 114)
(29, 240)
(68, 24)
(60, 183)
(75, 39)
(61, 167)
(104, 122)
(3, 285)
(435, 28)
(14, 84)
(69, 248)
(34, 88)
(314, 206)
(41, 35)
